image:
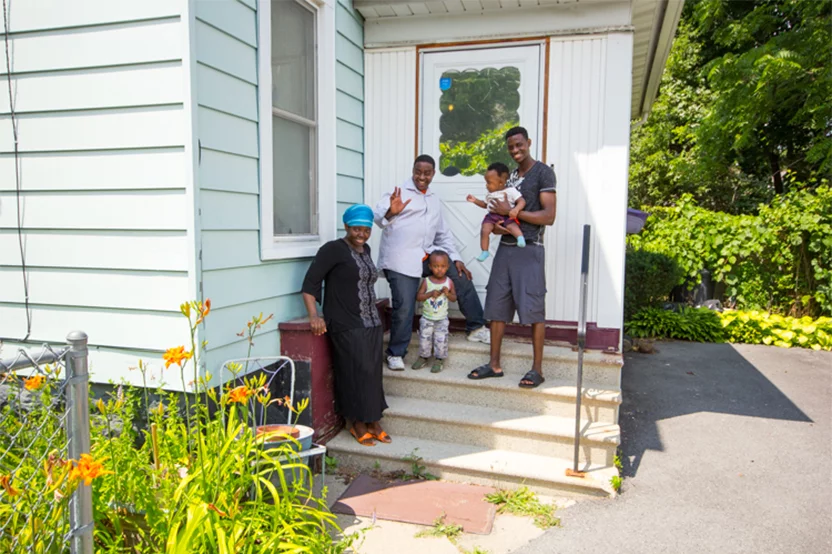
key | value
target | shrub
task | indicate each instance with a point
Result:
(756, 327)
(649, 278)
(779, 260)
(195, 484)
(694, 324)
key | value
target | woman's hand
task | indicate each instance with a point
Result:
(318, 325)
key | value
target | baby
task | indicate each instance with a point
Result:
(495, 181)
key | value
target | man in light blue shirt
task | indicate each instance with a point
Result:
(413, 227)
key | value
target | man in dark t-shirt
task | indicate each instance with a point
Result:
(518, 278)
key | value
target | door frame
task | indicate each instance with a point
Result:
(543, 103)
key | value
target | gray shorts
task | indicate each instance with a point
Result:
(517, 283)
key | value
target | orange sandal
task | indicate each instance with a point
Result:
(365, 440)
(383, 437)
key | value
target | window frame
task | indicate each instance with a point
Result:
(299, 246)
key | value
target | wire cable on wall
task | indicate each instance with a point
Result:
(17, 189)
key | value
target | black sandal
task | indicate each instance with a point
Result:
(532, 376)
(484, 372)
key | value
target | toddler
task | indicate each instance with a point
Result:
(495, 181)
(434, 293)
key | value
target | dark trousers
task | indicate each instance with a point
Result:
(403, 289)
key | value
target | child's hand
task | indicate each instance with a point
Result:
(445, 290)
(514, 213)
(471, 198)
(437, 293)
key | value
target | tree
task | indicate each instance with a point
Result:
(743, 112)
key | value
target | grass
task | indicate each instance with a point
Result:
(417, 468)
(441, 529)
(523, 502)
(331, 463)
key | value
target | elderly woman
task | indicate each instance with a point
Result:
(352, 322)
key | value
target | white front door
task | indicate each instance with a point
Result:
(469, 99)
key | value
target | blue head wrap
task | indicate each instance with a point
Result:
(359, 215)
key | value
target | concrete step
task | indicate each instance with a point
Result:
(474, 464)
(554, 397)
(511, 430)
(600, 369)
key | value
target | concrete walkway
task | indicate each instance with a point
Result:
(727, 449)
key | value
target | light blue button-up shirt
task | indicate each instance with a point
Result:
(420, 229)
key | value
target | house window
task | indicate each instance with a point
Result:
(297, 118)
(294, 118)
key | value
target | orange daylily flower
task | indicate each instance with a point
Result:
(34, 382)
(217, 510)
(204, 310)
(5, 482)
(88, 469)
(176, 355)
(239, 394)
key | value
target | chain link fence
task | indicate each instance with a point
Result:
(44, 426)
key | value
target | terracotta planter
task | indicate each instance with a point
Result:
(274, 435)
(270, 430)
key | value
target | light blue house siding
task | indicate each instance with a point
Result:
(101, 110)
(231, 273)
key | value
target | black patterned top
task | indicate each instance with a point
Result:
(348, 279)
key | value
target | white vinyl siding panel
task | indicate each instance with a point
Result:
(390, 92)
(588, 144)
(99, 92)
(234, 277)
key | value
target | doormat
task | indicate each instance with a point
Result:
(419, 502)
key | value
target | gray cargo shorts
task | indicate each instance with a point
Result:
(517, 283)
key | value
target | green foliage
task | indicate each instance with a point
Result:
(617, 462)
(194, 484)
(649, 278)
(693, 324)
(418, 470)
(755, 327)
(441, 529)
(779, 260)
(743, 110)
(478, 100)
(615, 483)
(473, 158)
(523, 502)
(35, 483)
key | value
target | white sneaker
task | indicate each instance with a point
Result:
(396, 363)
(480, 335)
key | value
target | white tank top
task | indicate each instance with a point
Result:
(436, 309)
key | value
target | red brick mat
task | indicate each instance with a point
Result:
(419, 502)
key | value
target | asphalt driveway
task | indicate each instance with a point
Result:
(727, 449)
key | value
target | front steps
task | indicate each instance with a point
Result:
(494, 433)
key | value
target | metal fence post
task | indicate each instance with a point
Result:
(78, 436)
(581, 346)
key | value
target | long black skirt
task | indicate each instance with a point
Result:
(357, 358)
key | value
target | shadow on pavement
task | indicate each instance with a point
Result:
(691, 378)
